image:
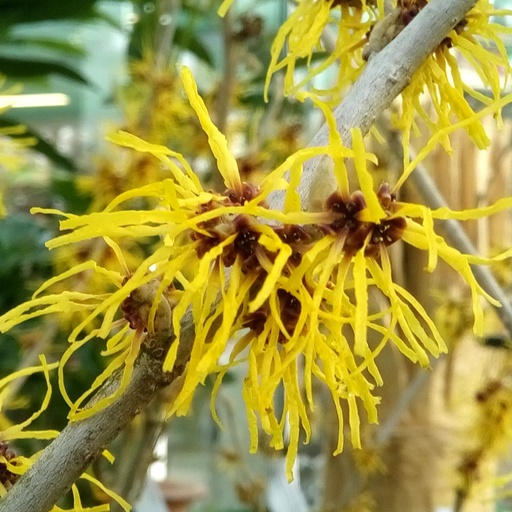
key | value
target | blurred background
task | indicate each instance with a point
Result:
(72, 72)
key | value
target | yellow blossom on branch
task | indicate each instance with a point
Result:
(301, 35)
(437, 95)
(13, 465)
(290, 288)
(478, 44)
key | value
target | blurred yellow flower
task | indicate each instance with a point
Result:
(13, 154)
(13, 146)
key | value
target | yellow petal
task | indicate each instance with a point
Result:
(374, 211)
(224, 6)
(361, 293)
(124, 504)
(271, 279)
(225, 160)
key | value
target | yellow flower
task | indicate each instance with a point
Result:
(154, 108)
(488, 434)
(13, 146)
(325, 291)
(477, 40)
(13, 465)
(223, 9)
(365, 222)
(154, 105)
(13, 154)
(198, 228)
(117, 172)
(293, 286)
(301, 34)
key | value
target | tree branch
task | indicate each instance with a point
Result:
(82, 442)
(456, 235)
(65, 459)
(384, 78)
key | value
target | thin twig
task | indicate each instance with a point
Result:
(226, 86)
(406, 398)
(168, 11)
(456, 235)
(168, 21)
(132, 477)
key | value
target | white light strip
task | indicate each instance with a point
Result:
(56, 99)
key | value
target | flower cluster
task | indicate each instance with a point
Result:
(363, 28)
(286, 292)
(488, 434)
(477, 41)
(304, 31)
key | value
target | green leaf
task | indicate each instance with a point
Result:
(47, 44)
(30, 68)
(30, 11)
(23, 258)
(188, 41)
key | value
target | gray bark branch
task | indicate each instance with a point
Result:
(383, 79)
(458, 238)
(82, 442)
